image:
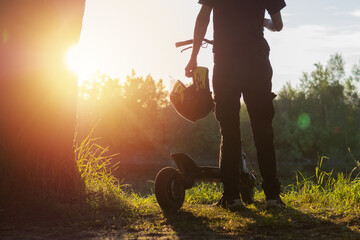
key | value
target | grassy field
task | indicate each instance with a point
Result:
(308, 215)
(321, 207)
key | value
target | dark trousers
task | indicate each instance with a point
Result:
(248, 75)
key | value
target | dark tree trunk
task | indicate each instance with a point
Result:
(38, 96)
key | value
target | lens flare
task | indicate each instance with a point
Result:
(304, 121)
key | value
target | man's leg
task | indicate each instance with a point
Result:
(261, 112)
(259, 101)
(227, 107)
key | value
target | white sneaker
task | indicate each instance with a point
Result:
(229, 203)
(274, 203)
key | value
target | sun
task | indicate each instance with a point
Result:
(73, 59)
(80, 62)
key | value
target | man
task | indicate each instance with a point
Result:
(242, 67)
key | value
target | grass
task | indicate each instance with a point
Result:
(318, 207)
(94, 165)
(322, 206)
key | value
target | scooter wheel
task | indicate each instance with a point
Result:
(247, 194)
(169, 189)
(247, 188)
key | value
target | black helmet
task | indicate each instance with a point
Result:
(193, 102)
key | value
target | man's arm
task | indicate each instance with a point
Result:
(202, 22)
(274, 24)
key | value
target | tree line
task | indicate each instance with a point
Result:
(319, 117)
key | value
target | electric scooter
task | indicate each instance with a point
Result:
(171, 183)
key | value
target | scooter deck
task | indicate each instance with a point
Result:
(188, 172)
(191, 171)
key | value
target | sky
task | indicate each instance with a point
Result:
(119, 36)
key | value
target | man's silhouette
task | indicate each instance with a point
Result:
(242, 67)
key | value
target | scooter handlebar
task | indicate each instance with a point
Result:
(187, 42)
(183, 43)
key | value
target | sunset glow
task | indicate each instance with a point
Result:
(80, 61)
(140, 35)
(127, 37)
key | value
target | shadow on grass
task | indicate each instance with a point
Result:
(258, 223)
(188, 226)
(44, 221)
(290, 223)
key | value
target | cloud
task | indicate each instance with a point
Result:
(355, 13)
(286, 14)
(331, 8)
(296, 49)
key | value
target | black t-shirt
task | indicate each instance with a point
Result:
(238, 24)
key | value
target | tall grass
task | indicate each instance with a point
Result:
(204, 193)
(326, 193)
(322, 192)
(322, 196)
(95, 166)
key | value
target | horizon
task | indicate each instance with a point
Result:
(119, 37)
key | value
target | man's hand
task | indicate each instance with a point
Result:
(202, 22)
(190, 67)
(274, 24)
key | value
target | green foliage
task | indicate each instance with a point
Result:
(204, 193)
(137, 121)
(320, 117)
(323, 177)
(92, 163)
(326, 193)
(329, 201)
(317, 202)
(130, 115)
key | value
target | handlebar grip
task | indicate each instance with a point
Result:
(208, 41)
(187, 42)
(183, 43)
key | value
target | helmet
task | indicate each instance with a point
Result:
(193, 102)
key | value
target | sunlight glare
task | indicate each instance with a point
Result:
(73, 59)
(80, 62)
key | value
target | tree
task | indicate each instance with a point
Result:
(320, 117)
(38, 96)
(130, 114)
